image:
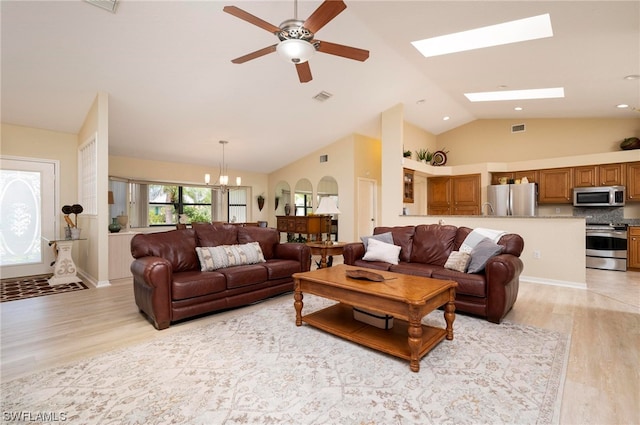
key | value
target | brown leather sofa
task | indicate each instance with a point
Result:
(169, 285)
(424, 251)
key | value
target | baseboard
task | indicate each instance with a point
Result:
(553, 282)
(89, 279)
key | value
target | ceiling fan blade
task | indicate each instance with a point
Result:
(323, 14)
(246, 16)
(256, 54)
(304, 72)
(341, 50)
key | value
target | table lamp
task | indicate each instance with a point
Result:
(327, 207)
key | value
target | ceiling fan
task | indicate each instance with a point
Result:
(297, 43)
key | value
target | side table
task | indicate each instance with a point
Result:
(325, 249)
(64, 269)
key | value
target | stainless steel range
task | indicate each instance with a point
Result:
(607, 246)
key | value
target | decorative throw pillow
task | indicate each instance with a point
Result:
(481, 253)
(383, 237)
(219, 257)
(382, 251)
(458, 261)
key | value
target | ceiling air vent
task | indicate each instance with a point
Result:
(322, 96)
(517, 128)
(109, 5)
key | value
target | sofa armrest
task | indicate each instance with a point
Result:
(503, 281)
(152, 278)
(295, 251)
(352, 252)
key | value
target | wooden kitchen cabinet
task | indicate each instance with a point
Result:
(633, 181)
(456, 195)
(555, 186)
(495, 177)
(531, 175)
(407, 183)
(466, 194)
(599, 175)
(633, 258)
(438, 196)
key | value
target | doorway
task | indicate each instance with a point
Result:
(367, 206)
(27, 202)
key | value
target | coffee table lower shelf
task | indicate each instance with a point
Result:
(338, 320)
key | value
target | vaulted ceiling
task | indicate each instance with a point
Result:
(174, 93)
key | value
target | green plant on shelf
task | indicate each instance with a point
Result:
(424, 155)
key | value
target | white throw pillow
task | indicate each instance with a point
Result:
(382, 251)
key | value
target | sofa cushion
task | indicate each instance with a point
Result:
(280, 269)
(402, 236)
(267, 237)
(432, 243)
(381, 251)
(468, 284)
(481, 253)
(178, 247)
(195, 284)
(239, 276)
(383, 237)
(219, 257)
(378, 265)
(215, 234)
(415, 269)
(458, 261)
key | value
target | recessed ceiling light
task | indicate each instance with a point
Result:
(490, 96)
(622, 106)
(632, 77)
(446, 118)
(494, 35)
(518, 108)
(420, 102)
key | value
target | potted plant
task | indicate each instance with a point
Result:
(406, 153)
(424, 155)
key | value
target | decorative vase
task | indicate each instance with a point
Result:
(75, 233)
(287, 209)
(260, 203)
(114, 227)
(123, 220)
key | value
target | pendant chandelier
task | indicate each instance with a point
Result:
(223, 178)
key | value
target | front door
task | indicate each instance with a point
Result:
(27, 204)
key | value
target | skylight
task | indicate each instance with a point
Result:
(489, 96)
(494, 35)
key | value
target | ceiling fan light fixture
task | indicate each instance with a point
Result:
(295, 50)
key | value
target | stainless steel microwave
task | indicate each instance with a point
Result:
(603, 196)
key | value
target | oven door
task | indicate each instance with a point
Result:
(607, 243)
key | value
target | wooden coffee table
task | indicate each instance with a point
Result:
(407, 298)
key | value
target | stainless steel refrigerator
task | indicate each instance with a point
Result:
(513, 199)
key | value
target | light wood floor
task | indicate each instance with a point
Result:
(602, 381)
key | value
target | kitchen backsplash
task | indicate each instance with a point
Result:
(601, 215)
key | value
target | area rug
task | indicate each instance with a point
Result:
(257, 367)
(34, 286)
